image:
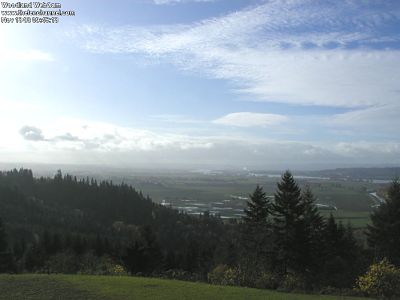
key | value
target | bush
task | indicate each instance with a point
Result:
(89, 264)
(329, 290)
(292, 282)
(223, 275)
(104, 265)
(382, 280)
(267, 280)
(178, 274)
(64, 263)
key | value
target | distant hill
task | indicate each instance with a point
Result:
(84, 213)
(356, 173)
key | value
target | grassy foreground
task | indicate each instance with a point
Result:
(77, 287)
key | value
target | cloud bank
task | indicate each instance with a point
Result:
(80, 141)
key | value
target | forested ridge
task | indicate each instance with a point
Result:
(69, 225)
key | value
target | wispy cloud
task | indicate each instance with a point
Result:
(175, 119)
(298, 52)
(249, 119)
(327, 53)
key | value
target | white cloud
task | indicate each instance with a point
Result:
(31, 133)
(262, 52)
(387, 116)
(105, 137)
(377, 122)
(87, 142)
(250, 119)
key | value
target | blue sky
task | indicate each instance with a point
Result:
(206, 83)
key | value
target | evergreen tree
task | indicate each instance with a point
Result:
(46, 243)
(99, 246)
(3, 237)
(144, 255)
(6, 258)
(341, 255)
(256, 233)
(19, 248)
(56, 244)
(258, 208)
(289, 225)
(384, 232)
(314, 226)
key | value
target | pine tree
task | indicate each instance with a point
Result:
(258, 208)
(341, 255)
(3, 238)
(99, 246)
(314, 226)
(7, 263)
(256, 233)
(384, 232)
(289, 225)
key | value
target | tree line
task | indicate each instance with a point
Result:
(286, 238)
(69, 225)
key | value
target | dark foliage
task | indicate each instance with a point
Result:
(289, 226)
(256, 235)
(47, 216)
(68, 225)
(384, 233)
(6, 257)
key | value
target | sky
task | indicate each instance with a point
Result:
(204, 84)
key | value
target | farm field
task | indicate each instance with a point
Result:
(226, 194)
(357, 219)
(44, 287)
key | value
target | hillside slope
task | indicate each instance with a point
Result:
(77, 287)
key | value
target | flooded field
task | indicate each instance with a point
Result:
(226, 208)
(225, 194)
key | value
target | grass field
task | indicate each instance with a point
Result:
(197, 193)
(43, 287)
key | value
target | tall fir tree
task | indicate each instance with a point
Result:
(384, 232)
(256, 234)
(258, 208)
(7, 263)
(341, 255)
(314, 226)
(3, 237)
(289, 227)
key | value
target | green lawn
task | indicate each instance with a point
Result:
(77, 287)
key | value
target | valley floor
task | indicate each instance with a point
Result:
(62, 287)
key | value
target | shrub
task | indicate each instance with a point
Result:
(267, 280)
(382, 280)
(89, 264)
(64, 263)
(178, 274)
(292, 282)
(329, 290)
(223, 275)
(104, 265)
